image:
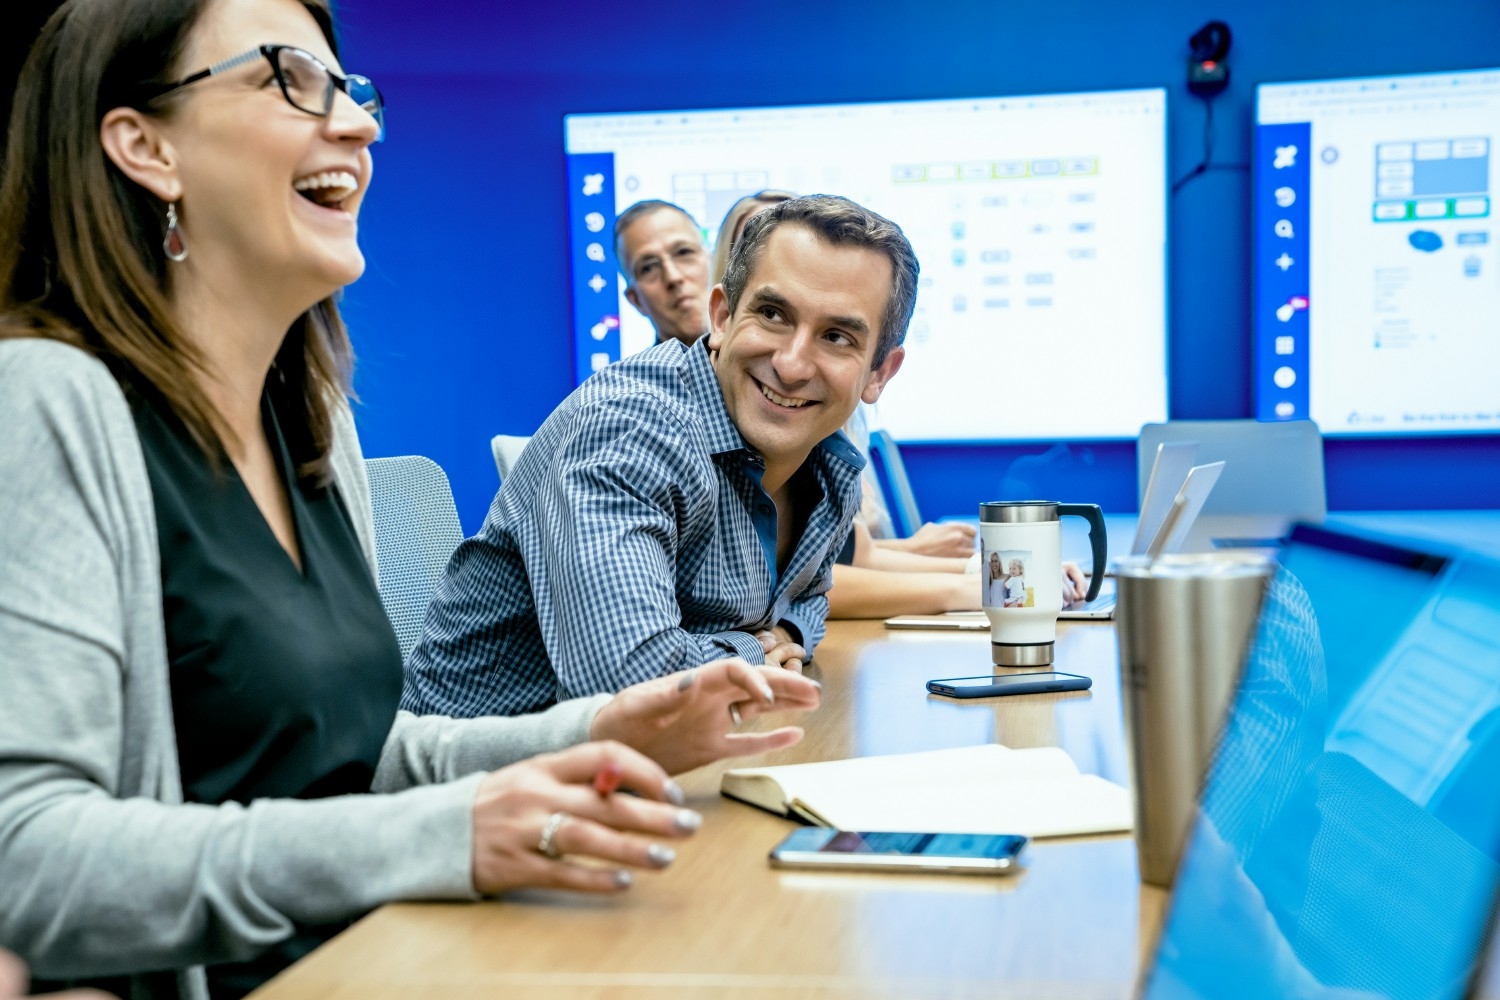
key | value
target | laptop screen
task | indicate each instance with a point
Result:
(1350, 826)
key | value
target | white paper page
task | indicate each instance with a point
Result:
(954, 769)
(1043, 807)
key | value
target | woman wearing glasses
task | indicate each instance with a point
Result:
(198, 686)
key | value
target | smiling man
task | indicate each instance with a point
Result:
(686, 503)
(661, 253)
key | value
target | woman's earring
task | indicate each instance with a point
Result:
(172, 245)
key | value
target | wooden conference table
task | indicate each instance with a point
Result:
(721, 922)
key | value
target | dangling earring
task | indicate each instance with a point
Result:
(172, 245)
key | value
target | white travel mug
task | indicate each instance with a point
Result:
(1021, 572)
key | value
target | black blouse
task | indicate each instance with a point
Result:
(284, 683)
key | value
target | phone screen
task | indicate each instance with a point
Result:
(996, 847)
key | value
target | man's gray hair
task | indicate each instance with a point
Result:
(841, 223)
(640, 210)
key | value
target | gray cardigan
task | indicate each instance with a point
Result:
(103, 868)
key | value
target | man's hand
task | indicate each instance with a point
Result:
(683, 720)
(780, 650)
(950, 540)
(1075, 585)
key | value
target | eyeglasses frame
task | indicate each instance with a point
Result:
(271, 53)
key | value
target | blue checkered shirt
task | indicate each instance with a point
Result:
(632, 538)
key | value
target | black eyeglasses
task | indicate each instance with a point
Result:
(305, 82)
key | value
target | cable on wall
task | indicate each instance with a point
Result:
(1208, 76)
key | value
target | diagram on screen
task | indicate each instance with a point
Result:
(709, 195)
(1432, 179)
(1038, 222)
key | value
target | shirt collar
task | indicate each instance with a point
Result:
(708, 400)
(723, 436)
(839, 446)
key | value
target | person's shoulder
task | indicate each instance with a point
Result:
(40, 373)
(648, 388)
(67, 422)
(657, 370)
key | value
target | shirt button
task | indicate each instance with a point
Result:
(764, 508)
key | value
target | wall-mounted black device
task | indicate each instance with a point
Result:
(1208, 73)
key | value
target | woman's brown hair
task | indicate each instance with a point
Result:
(80, 243)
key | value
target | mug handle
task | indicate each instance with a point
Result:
(1097, 542)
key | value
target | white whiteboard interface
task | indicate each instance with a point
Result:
(1039, 222)
(1377, 302)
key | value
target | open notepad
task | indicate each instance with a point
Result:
(984, 789)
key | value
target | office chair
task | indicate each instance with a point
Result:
(416, 531)
(890, 472)
(507, 450)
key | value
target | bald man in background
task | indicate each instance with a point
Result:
(661, 253)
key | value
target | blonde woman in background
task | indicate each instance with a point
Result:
(734, 224)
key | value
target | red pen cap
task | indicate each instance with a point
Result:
(607, 778)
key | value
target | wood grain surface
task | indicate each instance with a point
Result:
(721, 922)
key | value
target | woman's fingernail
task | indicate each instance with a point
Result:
(688, 821)
(765, 689)
(661, 855)
(623, 879)
(686, 680)
(673, 791)
(816, 684)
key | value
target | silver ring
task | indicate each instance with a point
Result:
(548, 844)
(734, 713)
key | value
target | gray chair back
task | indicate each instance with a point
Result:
(507, 448)
(416, 531)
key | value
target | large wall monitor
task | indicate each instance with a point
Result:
(1040, 224)
(1377, 288)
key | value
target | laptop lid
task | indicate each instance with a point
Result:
(1349, 829)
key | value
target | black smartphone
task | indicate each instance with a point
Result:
(962, 853)
(995, 685)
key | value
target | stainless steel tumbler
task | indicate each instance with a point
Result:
(1185, 624)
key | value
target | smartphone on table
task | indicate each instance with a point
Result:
(960, 853)
(995, 685)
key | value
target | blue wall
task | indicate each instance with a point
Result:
(462, 320)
